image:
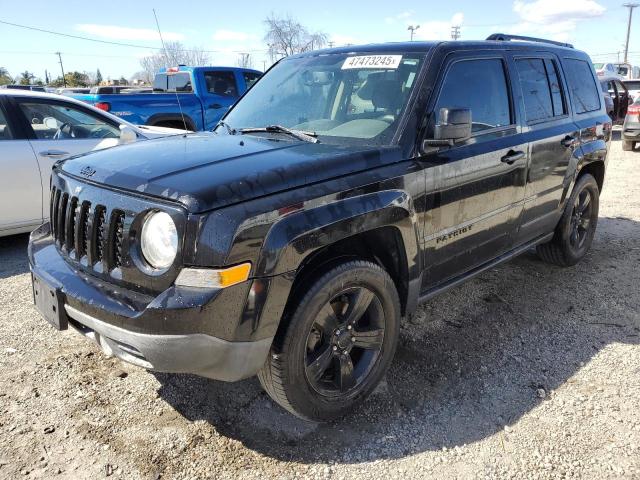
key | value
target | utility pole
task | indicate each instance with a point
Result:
(64, 80)
(455, 32)
(413, 29)
(331, 44)
(630, 6)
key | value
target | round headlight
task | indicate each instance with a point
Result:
(159, 241)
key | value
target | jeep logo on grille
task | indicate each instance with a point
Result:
(88, 171)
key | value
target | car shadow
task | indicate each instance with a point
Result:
(13, 255)
(469, 362)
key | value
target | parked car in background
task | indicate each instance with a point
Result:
(633, 87)
(204, 95)
(627, 71)
(290, 241)
(39, 129)
(631, 127)
(32, 88)
(72, 90)
(605, 69)
(616, 97)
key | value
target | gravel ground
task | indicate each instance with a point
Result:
(528, 371)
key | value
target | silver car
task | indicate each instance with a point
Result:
(38, 129)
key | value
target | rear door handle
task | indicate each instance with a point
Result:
(215, 106)
(53, 153)
(512, 157)
(567, 141)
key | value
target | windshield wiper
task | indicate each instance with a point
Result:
(230, 131)
(299, 134)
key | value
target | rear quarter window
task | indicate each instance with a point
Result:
(584, 91)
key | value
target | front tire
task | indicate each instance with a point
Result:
(338, 344)
(628, 145)
(575, 231)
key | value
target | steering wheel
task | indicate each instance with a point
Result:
(64, 131)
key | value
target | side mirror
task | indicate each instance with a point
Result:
(127, 135)
(453, 126)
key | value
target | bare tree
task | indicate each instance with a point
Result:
(176, 54)
(286, 36)
(245, 60)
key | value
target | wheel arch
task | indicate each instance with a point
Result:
(159, 118)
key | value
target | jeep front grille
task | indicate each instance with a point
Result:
(86, 232)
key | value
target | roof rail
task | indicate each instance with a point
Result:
(506, 38)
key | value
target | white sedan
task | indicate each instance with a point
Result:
(37, 130)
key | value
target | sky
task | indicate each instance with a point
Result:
(228, 28)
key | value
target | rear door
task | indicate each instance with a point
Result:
(552, 137)
(20, 180)
(221, 91)
(474, 190)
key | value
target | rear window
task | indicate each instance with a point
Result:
(250, 78)
(540, 88)
(176, 82)
(5, 133)
(584, 92)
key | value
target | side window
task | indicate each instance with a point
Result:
(481, 86)
(535, 89)
(179, 82)
(582, 85)
(51, 121)
(221, 83)
(5, 132)
(250, 78)
(540, 88)
(557, 95)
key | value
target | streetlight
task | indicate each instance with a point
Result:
(630, 6)
(413, 29)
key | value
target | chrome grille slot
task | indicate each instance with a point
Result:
(55, 200)
(70, 233)
(82, 235)
(116, 236)
(99, 234)
(61, 217)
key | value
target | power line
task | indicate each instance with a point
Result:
(119, 44)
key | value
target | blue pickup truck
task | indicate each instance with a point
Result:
(205, 94)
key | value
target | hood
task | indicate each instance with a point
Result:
(208, 170)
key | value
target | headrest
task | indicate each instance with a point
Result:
(387, 94)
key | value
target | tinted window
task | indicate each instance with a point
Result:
(557, 95)
(633, 85)
(535, 89)
(5, 133)
(479, 85)
(250, 78)
(583, 88)
(221, 83)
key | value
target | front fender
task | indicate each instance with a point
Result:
(297, 235)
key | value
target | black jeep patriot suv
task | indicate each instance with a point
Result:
(344, 188)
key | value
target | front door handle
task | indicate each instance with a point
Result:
(53, 153)
(511, 157)
(567, 141)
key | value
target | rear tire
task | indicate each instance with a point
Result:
(577, 226)
(338, 344)
(628, 145)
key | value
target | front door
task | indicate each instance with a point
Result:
(60, 130)
(474, 189)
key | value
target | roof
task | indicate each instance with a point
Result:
(423, 47)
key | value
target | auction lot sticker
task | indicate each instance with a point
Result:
(372, 61)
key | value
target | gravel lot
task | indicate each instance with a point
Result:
(528, 371)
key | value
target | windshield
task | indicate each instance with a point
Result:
(342, 98)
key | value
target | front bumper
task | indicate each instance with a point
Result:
(224, 334)
(631, 131)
